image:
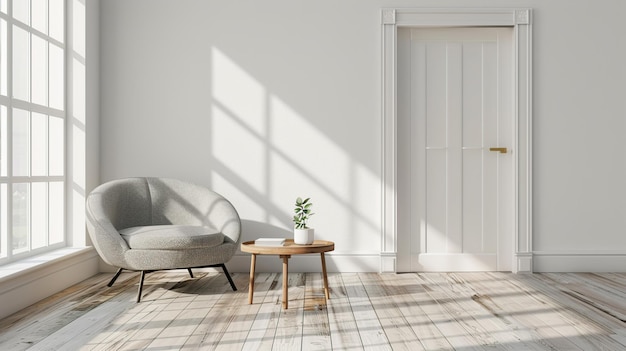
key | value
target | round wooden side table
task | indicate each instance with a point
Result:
(285, 252)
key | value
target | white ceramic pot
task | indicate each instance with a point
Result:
(303, 236)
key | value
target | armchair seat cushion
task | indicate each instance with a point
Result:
(171, 237)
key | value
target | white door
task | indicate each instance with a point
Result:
(455, 144)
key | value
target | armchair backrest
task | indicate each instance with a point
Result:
(178, 202)
(123, 202)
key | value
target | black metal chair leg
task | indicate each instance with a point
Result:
(230, 280)
(143, 275)
(119, 271)
(190, 273)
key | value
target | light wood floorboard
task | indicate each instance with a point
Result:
(366, 311)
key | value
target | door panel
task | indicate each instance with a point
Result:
(455, 199)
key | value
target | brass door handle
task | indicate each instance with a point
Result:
(501, 150)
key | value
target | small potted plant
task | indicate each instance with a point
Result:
(302, 234)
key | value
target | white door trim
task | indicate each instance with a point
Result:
(520, 20)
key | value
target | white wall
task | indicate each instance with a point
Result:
(268, 100)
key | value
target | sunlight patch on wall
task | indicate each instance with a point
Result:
(76, 125)
(238, 134)
(364, 183)
(78, 186)
(78, 28)
(308, 150)
(290, 181)
(78, 91)
(239, 149)
(265, 154)
(242, 96)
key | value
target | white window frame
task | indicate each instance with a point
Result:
(10, 102)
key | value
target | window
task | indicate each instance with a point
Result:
(32, 127)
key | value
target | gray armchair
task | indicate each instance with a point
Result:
(151, 224)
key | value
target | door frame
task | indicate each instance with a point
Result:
(391, 260)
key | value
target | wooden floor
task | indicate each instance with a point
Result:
(413, 311)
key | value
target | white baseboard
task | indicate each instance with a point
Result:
(27, 286)
(538, 261)
(579, 261)
(335, 262)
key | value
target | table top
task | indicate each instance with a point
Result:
(290, 248)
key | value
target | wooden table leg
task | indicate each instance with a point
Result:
(285, 280)
(251, 286)
(326, 292)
